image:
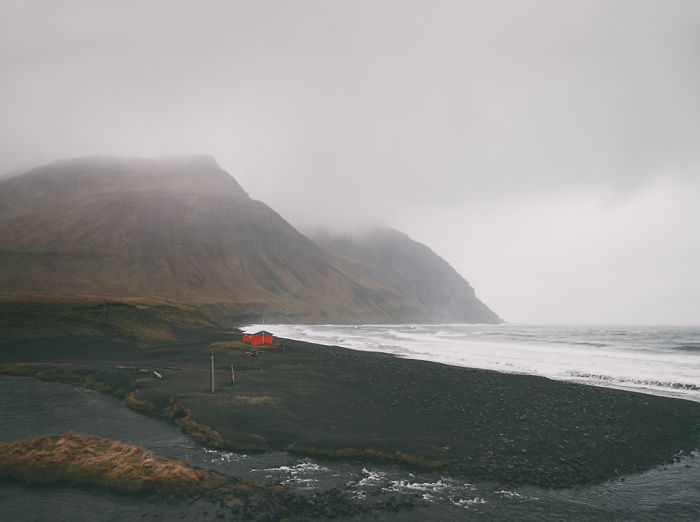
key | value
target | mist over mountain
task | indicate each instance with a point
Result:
(182, 229)
(11, 173)
(431, 290)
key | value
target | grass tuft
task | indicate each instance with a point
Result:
(92, 461)
(96, 385)
(139, 405)
(88, 460)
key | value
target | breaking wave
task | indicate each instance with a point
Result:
(662, 361)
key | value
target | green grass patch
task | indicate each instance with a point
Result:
(19, 369)
(94, 384)
(367, 454)
(38, 371)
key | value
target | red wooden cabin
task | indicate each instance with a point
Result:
(261, 337)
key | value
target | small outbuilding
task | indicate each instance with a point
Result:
(261, 337)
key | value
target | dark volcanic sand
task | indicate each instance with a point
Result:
(489, 425)
(507, 428)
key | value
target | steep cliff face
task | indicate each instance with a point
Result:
(180, 229)
(424, 287)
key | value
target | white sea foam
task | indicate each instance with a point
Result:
(514, 495)
(303, 473)
(218, 456)
(371, 478)
(467, 503)
(663, 361)
(432, 491)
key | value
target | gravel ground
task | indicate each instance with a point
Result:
(507, 428)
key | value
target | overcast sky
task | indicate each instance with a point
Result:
(549, 150)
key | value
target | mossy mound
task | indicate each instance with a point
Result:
(88, 460)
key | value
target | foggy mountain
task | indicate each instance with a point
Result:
(11, 174)
(182, 229)
(431, 290)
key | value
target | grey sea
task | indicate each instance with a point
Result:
(657, 360)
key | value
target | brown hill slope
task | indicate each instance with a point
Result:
(181, 229)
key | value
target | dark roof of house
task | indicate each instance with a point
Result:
(262, 332)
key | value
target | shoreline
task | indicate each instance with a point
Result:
(401, 343)
(331, 402)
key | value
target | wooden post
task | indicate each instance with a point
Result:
(211, 374)
(233, 377)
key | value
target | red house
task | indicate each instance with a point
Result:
(261, 337)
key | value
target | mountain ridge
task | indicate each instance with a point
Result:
(182, 229)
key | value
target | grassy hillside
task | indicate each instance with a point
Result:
(76, 324)
(182, 229)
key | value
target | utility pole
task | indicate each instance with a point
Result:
(211, 373)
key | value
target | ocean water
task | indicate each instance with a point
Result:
(657, 360)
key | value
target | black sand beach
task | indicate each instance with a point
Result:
(332, 402)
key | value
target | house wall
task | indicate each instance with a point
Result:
(257, 339)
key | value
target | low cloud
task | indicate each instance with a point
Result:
(548, 150)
